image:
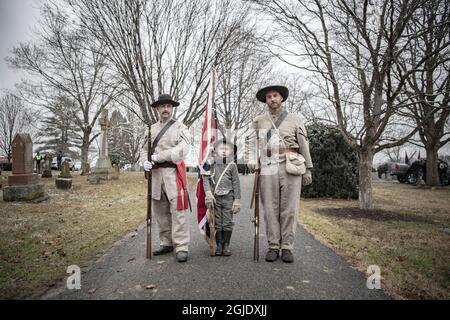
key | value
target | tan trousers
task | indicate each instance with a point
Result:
(280, 199)
(172, 224)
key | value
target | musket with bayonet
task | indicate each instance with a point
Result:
(255, 200)
(149, 197)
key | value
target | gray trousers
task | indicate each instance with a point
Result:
(280, 199)
(224, 212)
(172, 224)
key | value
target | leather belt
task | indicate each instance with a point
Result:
(165, 165)
(281, 150)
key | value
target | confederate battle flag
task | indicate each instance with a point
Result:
(209, 136)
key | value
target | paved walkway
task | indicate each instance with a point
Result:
(125, 273)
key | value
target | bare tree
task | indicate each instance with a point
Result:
(239, 78)
(427, 92)
(63, 63)
(14, 118)
(349, 48)
(164, 46)
(393, 154)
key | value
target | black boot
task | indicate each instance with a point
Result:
(219, 240)
(163, 250)
(226, 243)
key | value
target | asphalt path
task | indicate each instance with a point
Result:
(124, 273)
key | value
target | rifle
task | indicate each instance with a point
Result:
(149, 199)
(255, 200)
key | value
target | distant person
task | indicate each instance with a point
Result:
(59, 159)
(38, 159)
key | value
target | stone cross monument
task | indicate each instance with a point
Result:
(103, 169)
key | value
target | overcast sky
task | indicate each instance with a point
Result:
(17, 19)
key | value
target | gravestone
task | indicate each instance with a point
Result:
(47, 173)
(64, 180)
(3, 181)
(103, 169)
(23, 184)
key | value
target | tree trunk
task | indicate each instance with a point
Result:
(85, 153)
(432, 175)
(365, 179)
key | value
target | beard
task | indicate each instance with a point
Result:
(275, 105)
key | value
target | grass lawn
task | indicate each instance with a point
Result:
(405, 236)
(39, 241)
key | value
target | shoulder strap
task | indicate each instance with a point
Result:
(223, 173)
(277, 124)
(160, 134)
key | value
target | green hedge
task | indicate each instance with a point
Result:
(335, 173)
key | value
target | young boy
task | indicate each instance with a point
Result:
(223, 193)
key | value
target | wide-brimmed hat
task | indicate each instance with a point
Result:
(261, 95)
(165, 99)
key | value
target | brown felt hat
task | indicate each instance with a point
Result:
(261, 95)
(165, 99)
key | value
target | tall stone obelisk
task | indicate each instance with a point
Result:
(103, 169)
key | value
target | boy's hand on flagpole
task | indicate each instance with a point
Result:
(210, 201)
(236, 206)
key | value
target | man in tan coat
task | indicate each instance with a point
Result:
(279, 134)
(170, 146)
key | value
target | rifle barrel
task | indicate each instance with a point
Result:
(149, 200)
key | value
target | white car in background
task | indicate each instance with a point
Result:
(77, 165)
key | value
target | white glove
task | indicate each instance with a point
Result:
(307, 178)
(148, 165)
(210, 201)
(154, 157)
(236, 206)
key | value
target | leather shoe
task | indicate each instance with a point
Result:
(272, 255)
(182, 256)
(163, 250)
(287, 256)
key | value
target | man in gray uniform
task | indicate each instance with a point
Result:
(223, 193)
(280, 134)
(169, 193)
